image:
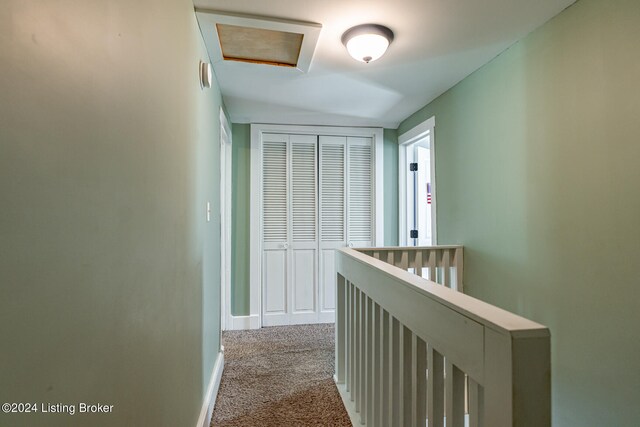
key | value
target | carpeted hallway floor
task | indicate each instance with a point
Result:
(279, 376)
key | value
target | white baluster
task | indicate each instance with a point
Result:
(385, 372)
(432, 265)
(340, 328)
(407, 378)
(455, 388)
(396, 372)
(459, 265)
(476, 404)
(358, 351)
(418, 263)
(446, 267)
(368, 408)
(419, 386)
(435, 388)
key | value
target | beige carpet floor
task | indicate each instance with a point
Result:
(279, 376)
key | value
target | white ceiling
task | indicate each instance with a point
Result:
(437, 43)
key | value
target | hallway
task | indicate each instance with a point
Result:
(279, 376)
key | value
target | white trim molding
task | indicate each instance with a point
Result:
(225, 219)
(417, 132)
(255, 217)
(414, 134)
(239, 323)
(208, 19)
(209, 402)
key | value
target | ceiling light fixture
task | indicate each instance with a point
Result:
(367, 42)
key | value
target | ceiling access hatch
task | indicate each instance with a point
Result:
(257, 45)
(258, 40)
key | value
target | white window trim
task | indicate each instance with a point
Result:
(255, 205)
(409, 137)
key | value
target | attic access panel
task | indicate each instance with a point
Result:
(258, 45)
(258, 40)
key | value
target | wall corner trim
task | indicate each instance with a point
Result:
(204, 420)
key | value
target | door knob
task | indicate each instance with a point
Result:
(350, 244)
(285, 245)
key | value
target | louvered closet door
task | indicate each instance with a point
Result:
(317, 197)
(275, 230)
(360, 192)
(304, 236)
(290, 223)
(333, 220)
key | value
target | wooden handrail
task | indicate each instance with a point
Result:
(393, 327)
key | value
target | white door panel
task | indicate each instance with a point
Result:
(304, 278)
(304, 236)
(328, 280)
(275, 287)
(304, 293)
(333, 217)
(275, 224)
(359, 192)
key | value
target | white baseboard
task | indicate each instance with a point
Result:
(204, 420)
(238, 323)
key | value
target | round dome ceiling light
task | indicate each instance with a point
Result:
(367, 42)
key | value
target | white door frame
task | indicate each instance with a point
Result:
(404, 141)
(225, 222)
(255, 207)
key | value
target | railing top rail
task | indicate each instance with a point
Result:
(486, 314)
(410, 248)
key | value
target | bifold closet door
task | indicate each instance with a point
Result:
(360, 192)
(289, 224)
(346, 207)
(304, 236)
(333, 218)
(275, 229)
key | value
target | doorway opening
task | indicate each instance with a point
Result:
(417, 186)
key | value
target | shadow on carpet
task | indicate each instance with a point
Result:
(279, 376)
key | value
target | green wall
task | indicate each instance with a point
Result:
(538, 176)
(390, 187)
(240, 177)
(109, 273)
(240, 210)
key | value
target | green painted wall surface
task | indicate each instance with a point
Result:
(240, 171)
(390, 187)
(538, 176)
(240, 210)
(109, 273)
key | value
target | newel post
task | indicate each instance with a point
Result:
(517, 387)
